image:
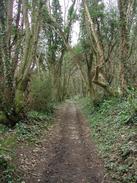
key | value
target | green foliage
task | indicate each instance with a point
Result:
(3, 163)
(132, 100)
(115, 137)
(86, 104)
(34, 115)
(3, 128)
(28, 133)
(7, 151)
(124, 109)
(8, 171)
(24, 132)
(57, 13)
(96, 9)
(72, 16)
(54, 40)
(38, 125)
(41, 95)
(7, 143)
(39, 122)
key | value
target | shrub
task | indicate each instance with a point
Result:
(41, 94)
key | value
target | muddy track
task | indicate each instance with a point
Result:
(69, 155)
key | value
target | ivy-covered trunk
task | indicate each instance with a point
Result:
(18, 51)
(124, 45)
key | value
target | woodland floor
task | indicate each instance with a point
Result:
(65, 155)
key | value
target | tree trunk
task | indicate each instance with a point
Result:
(100, 52)
(124, 45)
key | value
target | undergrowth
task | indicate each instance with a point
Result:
(114, 129)
(28, 132)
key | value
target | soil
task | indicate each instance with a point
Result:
(66, 155)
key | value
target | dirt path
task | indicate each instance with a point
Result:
(67, 155)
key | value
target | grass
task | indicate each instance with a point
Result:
(114, 129)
